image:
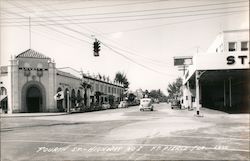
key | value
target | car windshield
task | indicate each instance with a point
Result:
(145, 100)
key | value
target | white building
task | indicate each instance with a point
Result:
(31, 80)
(220, 78)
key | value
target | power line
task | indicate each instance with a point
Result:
(101, 6)
(65, 33)
(145, 10)
(53, 29)
(128, 51)
(129, 20)
(120, 49)
(69, 1)
(131, 60)
(135, 16)
(166, 24)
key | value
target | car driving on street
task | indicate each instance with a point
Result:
(146, 104)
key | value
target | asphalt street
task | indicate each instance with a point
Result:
(127, 134)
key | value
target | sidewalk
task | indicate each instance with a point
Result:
(31, 114)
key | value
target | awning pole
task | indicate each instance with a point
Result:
(224, 88)
(197, 93)
(230, 92)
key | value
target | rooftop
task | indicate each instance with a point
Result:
(30, 53)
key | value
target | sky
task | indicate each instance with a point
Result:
(139, 38)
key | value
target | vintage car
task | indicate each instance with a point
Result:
(123, 104)
(175, 104)
(105, 106)
(146, 104)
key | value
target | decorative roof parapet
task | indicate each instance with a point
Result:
(32, 54)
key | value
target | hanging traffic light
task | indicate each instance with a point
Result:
(96, 47)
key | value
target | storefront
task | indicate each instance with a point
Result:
(220, 79)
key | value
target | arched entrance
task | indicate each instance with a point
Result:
(66, 98)
(3, 100)
(34, 99)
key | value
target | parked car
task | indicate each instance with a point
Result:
(175, 104)
(123, 104)
(146, 103)
(105, 106)
(156, 101)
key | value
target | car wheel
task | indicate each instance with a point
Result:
(151, 109)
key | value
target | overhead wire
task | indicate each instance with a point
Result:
(64, 32)
(127, 57)
(131, 16)
(129, 20)
(118, 48)
(54, 29)
(171, 23)
(145, 10)
(133, 61)
(102, 6)
(51, 4)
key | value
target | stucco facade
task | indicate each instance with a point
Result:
(31, 80)
(219, 78)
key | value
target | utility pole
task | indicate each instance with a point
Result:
(30, 32)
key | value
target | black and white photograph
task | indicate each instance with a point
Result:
(116, 80)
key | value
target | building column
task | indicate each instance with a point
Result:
(189, 97)
(230, 92)
(68, 105)
(13, 102)
(224, 93)
(197, 98)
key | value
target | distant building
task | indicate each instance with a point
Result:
(219, 78)
(31, 81)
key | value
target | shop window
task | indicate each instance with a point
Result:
(186, 97)
(232, 46)
(244, 45)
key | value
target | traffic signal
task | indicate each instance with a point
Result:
(96, 47)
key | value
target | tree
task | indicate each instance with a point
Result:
(85, 86)
(174, 88)
(131, 97)
(121, 77)
(155, 93)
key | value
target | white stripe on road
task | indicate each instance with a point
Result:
(153, 145)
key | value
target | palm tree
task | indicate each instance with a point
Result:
(122, 78)
(85, 87)
(174, 88)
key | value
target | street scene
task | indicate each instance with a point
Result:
(124, 80)
(126, 134)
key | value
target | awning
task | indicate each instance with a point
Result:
(2, 97)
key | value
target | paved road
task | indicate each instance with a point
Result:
(127, 134)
